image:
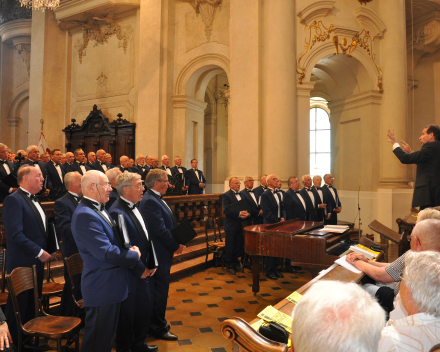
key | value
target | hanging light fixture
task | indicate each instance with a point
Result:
(40, 4)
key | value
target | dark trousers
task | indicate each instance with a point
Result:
(100, 328)
(67, 304)
(159, 288)
(271, 264)
(333, 219)
(385, 297)
(134, 317)
(234, 247)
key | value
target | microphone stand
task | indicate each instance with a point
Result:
(359, 211)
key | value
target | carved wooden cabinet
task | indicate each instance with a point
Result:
(96, 132)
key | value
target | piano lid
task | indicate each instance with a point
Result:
(292, 227)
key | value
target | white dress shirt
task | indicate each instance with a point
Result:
(252, 195)
(277, 200)
(60, 173)
(138, 215)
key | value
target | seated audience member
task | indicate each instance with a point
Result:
(112, 175)
(419, 292)
(425, 236)
(336, 317)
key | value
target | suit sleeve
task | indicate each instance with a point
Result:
(288, 206)
(226, 203)
(156, 225)
(254, 210)
(267, 212)
(422, 156)
(63, 221)
(13, 223)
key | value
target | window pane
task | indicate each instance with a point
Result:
(312, 118)
(322, 120)
(322, 142)
(313, 165)
(312, 141)
(323, 160)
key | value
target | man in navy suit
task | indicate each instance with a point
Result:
(273, 212)
(248, 194)
(160, 220)
(34, 160)
(194, 179)
(112, 175)
(323, 208)
(123, 167)
(25, 223)
(258, 191)
(139, 166)
(64, 208)
(79, 164)
(104, 280)
(311, 197)
(166, 165)
(6, 168)
(55, 171)
(135, 315)
(331, 194)
(100, 164)
(91, 158)
(179, 169)
(70, 158)
(294, 204)
(234, 240)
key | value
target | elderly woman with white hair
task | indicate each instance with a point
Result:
(420, 295)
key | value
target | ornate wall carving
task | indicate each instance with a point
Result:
(24, 50)
(315, 11)
(207, 10)
(11, 10)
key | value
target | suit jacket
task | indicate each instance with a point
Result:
(129, 169)
(53, 175)
(232, 217)
(270, 207)
(427, 186)
(293, 206)
(104, 278)
(97, 166)
(322, 212)
(175, 171)
(160, 221)
(193, 182)
(163, 168)
(4, 189)
(330, 200)
(254, 207)
(112, 198)
(25, 232)
(63, 209)
(258, 191)
(311, 207)
(141, 172)
(75, 167)
(65, 167)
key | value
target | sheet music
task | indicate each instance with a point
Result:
(123, 229)
(343, 262)
(57, 245)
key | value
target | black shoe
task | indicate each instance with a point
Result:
(231, 271)
(278, 274)
(272, 276)
(291, 270)
(146, 348)
(168, 336)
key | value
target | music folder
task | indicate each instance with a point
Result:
(184, 232)
(52, 244)
(123, 231)
(241, 205)
(10, 180)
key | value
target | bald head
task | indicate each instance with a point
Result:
(428, 234)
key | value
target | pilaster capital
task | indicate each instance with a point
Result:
(16, 29)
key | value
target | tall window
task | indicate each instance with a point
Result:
(319, 140)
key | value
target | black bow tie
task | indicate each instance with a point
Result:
(264, 187)
(56, 164)
(179, 167)
(80, 163)
(308, 189)
(249, 190)
(34, 162)
(78, 199)
(329, 186)
(236, 193)
(123, 169)
(135, 205)
(34, 198)
(100, 206)
(2, 162)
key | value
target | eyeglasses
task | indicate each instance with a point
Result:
(137, 187)
(106, 184)
(166, 181)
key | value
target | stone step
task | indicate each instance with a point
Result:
(189, 267)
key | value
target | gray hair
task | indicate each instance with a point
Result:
(125, 179)
(270, 177)
(428, 232)
(153, 176)
(247, 178)
(31, 147)
(422, 276)
(91, 176)
(317, 176)
(428, 213)
(76, 152)
(290, 180)
(3, 145)
(303, 177)
(124, 157)
(112, 174)
(341, 317)
(69, 178)
(164, 156)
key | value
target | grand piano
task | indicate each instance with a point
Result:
(292, 239)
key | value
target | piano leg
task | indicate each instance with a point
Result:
(256, 274)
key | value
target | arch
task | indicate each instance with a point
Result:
(17, 103)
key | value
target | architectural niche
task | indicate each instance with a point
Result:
(207, 10)
(10, 10)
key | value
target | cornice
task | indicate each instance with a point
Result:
(315, 11)
(17, 28)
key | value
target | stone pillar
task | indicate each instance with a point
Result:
(302, 166)
(279, 128)
(393, 111)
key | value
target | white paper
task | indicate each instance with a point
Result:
(343, 262)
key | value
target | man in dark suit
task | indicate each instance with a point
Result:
(6, 168)
(104, 281)
(139, 166)
(310, 196)
(55, 171)
(179, 169)
(427, 185)
(79, 164)
(155, 163)
(34, 160)
(334, 204)
(135, 315)
(234, 239)
(112, 175)
(64, 208)
(273, 211)
(108, 159)
(258, 191)
(25, 223)
(166, 165)
(160, 220)
(123, 167)
(100, 164)
(248, 194)
(323, 208)
(294, 204)
(70, 158)
(194, 179)
(149, 161)
(91, 158)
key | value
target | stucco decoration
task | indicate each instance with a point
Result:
(207, 10)
(315, 11)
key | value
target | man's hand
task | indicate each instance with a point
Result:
(45, 257)
(152, 272)
(183, 189)
(136, 249)
(147, 273)
(329, 215)
(244, 214)
(337, 210)
(13, 190)
(352, 256)
(322, 206)
(180, 249)
(201, 185)
(5, 336)
(54, 257)
(391, 137)
(406, 148)
(282, 219)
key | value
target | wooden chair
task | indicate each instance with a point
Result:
(44, 325)
(3, 294)
(387, 234)
(74, 265)
(216, 246)
(435, 348)
(50, 288)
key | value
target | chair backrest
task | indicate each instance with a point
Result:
(210, 225)
(220, 222)
(3, 269)
(435, 348)
(74, 266)
(20, 280)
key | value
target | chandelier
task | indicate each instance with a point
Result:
(40, 4)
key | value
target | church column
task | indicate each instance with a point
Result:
(393, 111)
(279, 98)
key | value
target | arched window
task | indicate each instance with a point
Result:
(320, 153)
